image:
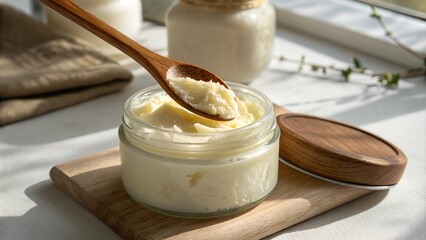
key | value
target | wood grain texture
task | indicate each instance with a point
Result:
(339, 151)
(95, 183)
(160, 67)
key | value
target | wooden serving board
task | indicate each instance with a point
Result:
(95, 183)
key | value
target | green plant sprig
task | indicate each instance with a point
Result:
(374, 14)
(387, 79)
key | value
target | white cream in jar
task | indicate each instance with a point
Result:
(232, 38)
(180, 164)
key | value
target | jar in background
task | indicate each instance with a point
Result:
(199, 175)
(231, 38)
(124, 15)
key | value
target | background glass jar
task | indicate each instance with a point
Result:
(199, 175)
(232, 38)
(124, 15)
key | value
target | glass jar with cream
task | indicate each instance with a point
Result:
(181, 164)
(232, 38)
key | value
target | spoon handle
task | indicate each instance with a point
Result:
(154, 63)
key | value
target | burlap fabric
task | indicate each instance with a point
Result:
(41, 70)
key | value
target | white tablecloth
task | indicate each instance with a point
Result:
(32, 207)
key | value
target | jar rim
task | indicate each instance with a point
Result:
(218, 159)
(199, 145)
(239, 88)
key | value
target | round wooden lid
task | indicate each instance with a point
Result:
(338, 151)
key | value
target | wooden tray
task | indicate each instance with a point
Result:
(95, 183)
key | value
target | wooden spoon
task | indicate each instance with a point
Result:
(160, 67)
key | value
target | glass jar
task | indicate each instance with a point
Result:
(124, 15)
(232, 38)
(199, 175)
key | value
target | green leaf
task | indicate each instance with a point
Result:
(357, 63)
(374, 13)
(314, 68)
(389, 79)
(388, 76)
(396, 77)
(346, 73)
(394, 80)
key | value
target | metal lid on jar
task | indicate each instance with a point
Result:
(227, 4)
(339, 153)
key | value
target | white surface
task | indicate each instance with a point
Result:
(32, 207)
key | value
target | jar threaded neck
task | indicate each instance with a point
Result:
(227, 4)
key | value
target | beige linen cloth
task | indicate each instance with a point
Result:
(41, 71)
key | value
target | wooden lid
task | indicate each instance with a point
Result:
(338, 151)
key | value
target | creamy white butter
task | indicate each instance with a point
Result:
(192, 187)
(178, 163)
(162, 112)
(235, 44)
(209, 97)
